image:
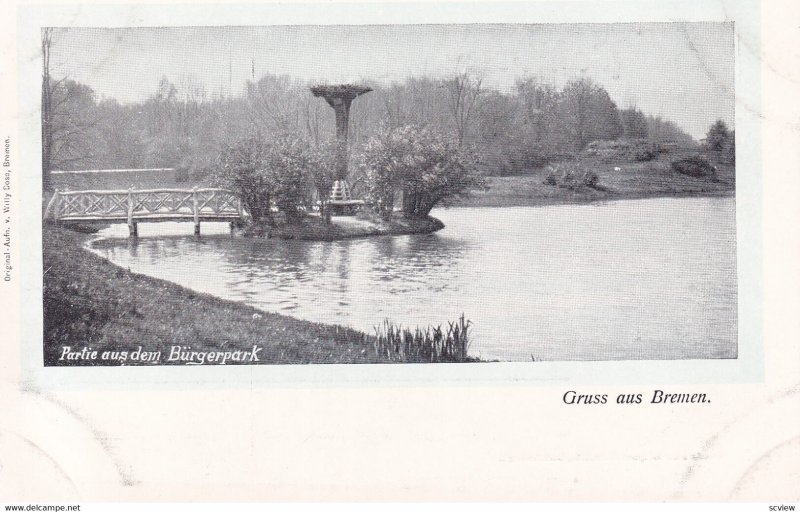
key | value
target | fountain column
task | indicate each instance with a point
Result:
(339, 97)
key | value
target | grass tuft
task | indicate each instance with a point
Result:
(429, 344)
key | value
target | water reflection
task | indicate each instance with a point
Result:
(651, 279)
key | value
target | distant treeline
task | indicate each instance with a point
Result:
(511, 132)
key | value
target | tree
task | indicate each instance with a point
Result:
(276, 103)
(463, 92)
(718, 136)
(592, 113)
(500, 134)
(419, 101)
(73, 118)
(67, 117)
(634, 123)
(426, 167)
(662, 130)
(539, 109)
(47, 109)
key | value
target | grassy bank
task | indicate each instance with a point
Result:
(620, 179)
(89, 302)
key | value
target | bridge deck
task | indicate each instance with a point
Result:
(134, 206)
(150, 218)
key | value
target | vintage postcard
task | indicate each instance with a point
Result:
(231, 195)
(495, 201)
(470, 193)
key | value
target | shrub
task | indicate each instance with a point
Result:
(591, 179)
(244, 167)
(426, 166)
(571, 176)
(520, 160)
(731, 149)
(290, 160)
(280, 171)
(695, 166)
(644, 155)
(639, 150)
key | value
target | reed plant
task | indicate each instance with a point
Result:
(422, 345)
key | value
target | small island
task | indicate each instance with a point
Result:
(292, 188)
(361, 224)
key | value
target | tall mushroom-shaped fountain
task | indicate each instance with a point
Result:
(339, 97)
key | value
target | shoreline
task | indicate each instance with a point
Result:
(361, 225)
(309, 229)
(567, 201)
(433, 224)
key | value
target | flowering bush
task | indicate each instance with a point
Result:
(280, 171)
(426, 167)
(244, 168)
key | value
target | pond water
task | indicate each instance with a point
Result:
(645, 279)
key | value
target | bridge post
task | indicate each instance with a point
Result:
(133, 232)
(50, 206)
(57, 208)
(196, 212)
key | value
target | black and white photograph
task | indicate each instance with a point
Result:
(399, 252)
(388, 193)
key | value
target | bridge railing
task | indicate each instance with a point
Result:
(145, 205)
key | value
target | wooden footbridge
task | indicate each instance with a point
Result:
(134, 206)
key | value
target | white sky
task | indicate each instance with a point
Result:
(682, 71)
